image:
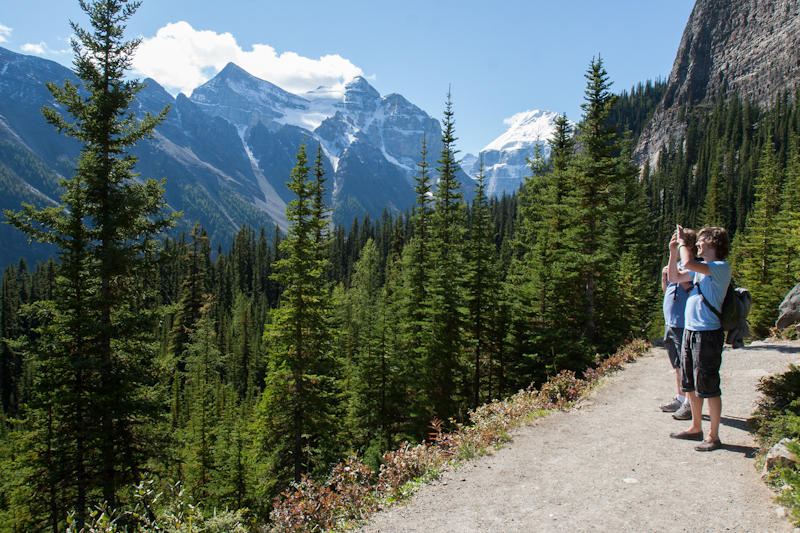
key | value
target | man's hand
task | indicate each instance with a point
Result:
(673, 243)
(681, 236)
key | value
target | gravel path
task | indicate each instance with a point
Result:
(609, 464)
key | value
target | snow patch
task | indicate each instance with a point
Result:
(524, 128)
(271, 203)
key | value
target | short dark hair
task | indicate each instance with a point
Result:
(718, 238)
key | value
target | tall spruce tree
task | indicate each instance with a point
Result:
(789, 221)
(202, 384)
(295, 420)
(445, 363)
(367, 366)
(11, 299)
(410, 286)
(715, 211)
(95, 358)
(760, 248)
(191, 296)
(629, 293)
(545, 285)
(482, 286)
(595, 186)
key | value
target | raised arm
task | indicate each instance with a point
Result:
(675, 275)
(688, 261)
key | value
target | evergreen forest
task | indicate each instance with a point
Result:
(134, 358)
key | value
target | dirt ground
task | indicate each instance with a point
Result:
(609, 465)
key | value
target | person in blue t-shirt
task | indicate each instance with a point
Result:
(703, 337)
(675, 296)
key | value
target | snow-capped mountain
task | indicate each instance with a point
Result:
(228, 150)
(505, 159)
(336, 119)
(371, 142)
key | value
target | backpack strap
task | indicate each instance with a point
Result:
(713, 309)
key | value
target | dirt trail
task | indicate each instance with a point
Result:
(609, 464)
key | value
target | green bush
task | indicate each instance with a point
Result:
(778, 411)
(171, 511)
(777, 416)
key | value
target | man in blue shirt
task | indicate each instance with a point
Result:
(703, 337)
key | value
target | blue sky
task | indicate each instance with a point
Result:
(499, 58)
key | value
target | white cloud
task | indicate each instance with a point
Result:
(34, 48)
(181, 58)
(42, 49)
(5, 33)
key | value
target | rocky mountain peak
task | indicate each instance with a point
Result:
(505, 159)
(723, 52)
(359, 93)
(243, 99)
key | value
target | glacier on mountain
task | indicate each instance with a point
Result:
(357, 125)
(505, 159)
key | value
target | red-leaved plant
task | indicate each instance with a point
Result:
(353, 491)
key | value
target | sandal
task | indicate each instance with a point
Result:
(685, 435)
(709, 445)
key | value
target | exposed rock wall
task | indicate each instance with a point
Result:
(749, 47)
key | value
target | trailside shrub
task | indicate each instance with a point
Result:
(353, 491)
(777, 416)
(561, 389)
(789, 496)
(171, 511)
(348, 494)
(777, 407)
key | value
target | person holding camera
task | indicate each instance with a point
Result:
(703, 337)
(674, 305)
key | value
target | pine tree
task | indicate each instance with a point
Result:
(789, 222)
(295, 415)
(234, 482)
(594, 188)
(10, 359)
(541, 287)
(191, 297)
(759, 250)
(482, 289)
(716, 205)
(629, 291)
(95, 367)
(203, 378)
(245, 359)
(412, 297)
(444, 366)
(367, 374)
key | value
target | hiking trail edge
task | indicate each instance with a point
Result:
(608, 464)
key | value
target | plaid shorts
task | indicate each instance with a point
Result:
(701, 357)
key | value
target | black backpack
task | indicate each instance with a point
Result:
(735, 306)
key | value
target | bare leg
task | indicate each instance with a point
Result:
(697, 413)
(678, 381)
(715, 413)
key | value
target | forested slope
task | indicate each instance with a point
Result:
(270, 361)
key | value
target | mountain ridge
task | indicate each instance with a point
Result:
(228, 149)
(722, 53)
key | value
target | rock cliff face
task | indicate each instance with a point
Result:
(745, 47)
